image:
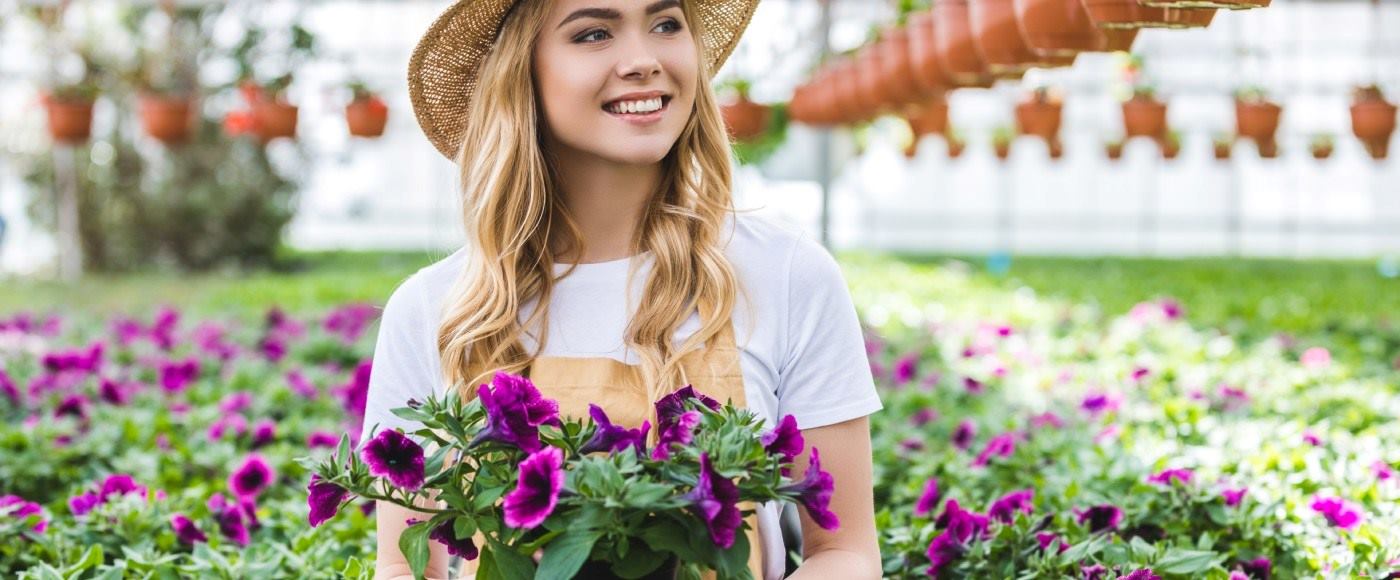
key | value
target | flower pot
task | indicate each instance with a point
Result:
(1116, 13)
(1221, 4)
(1057, 27)
(275, 119)
(251, 91)
(1057, 150)
(957, 51)
(846, 81)
(367, 117)
(897, 69)
(167, 117)
(1040, 118)
(744, 119)
(1257, 120)
(871, 91)
(1182, 17)
(1144, 116)
(955, 148)
(1321, 152)
(1268, 149)
(1114, 151)
(998, 37)
(923, 50)
(1002, 149)
(929, 117)
(1119, 39)
(1223, 151)
(1170, 149)
(70, 121)
(1373, 122)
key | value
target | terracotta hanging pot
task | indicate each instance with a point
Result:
(1321, 148)
(1116, 13)
(923, 49)
(929, 117)
(1221, 4)
(744, 119)
(367, 117)
(1181, 17)
(1373, 120)
(1058, 27)
(871, 91)
(70, 119)
(1257, 119)
(1002, 149)
(824, 99)
(168, 118)
(1223, 148)
(1057, 150)
(955, 148)
(998, 37)
(275, 119)
(897, 69)
(1040, 115)
(848, 101)
(1171, 146)
(1113, 150)
(1268, 149)
(1144, 116)
(957, 51)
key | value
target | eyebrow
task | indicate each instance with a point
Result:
(612, 14)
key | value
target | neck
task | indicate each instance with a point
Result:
(606, 200)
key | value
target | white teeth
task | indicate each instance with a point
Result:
(633, 107)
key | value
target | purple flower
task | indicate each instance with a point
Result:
(906, 368)
(354, 394)
(928, 499)
(251, 477)
(942, 551)
(1260, 568)
(1233, 497)
(446, 535)
(321, 439)
(1311, 438)
(1004, 509)
(1383, 470)
(1141, 574)
(717, 499)
(235, 423)
(923, 417)
(1045, 539)
(348, 322)
(1047, 419)
(1000, 446)
(1169, 476)
(786, 440)
(119, 484)
(324, 499)
(233, 518)
(300, 385)
(83, 503)
(964, 433)
(1140, 373)
(24, 510)
(1097, 403)
(537, 491)
(185, 530)
(273, 348)
(176, 376)
(610, 437)
(394, 456)
(9, 389)
(1093, 572)
(1100, 517)
(235, 402)
(74, 406)
(163, 328)
(87, 360)
(959, 528)
(515, 409)
(814, 491)
(670, 407)
(1338, 512)
(973, 386)
(264, 432)
(678, 430)
(113, 392)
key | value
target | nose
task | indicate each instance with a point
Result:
(639, 63)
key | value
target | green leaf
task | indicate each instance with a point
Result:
(411, 414)
(513, 565)
(639, 562)
(734, 562)
(666, 536)
(565, 555)
(92, 558)
(1179, 561)
(414, 545)
(463, 527)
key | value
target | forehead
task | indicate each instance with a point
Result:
(607, 9)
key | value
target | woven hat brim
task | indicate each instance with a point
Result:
(442, 70)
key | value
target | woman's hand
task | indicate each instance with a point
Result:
(852, 551)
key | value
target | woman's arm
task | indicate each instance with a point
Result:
(852, 551)
(390, 523)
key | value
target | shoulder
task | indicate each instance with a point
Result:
(775, 249)
(424, 291)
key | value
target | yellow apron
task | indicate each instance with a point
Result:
(618, 388)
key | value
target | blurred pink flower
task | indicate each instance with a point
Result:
(1316, 358)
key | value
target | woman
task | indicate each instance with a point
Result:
(593, 158)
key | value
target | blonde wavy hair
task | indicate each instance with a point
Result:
(511, 205)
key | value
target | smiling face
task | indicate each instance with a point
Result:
(592, 55)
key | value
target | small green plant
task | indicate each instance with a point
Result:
(79, 92)
(1367, 93)
(1252, 94)
(1003, 135)
(360, 90)
(1323, 140)
(1223, 139)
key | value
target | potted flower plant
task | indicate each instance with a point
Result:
(168, 97)
(1002, 137)
(1113, 149)
(743, 118)
(1256, 117)
(366, 113)
(1223, 144)
(1040, 113)
(923, 48)
(69, 110)
(1171, 144)
(957, 50)
(1221, 4)
(1144, 115)
(276, 117)
(956, 143)
(1058, 27)
(1321, 145)
(1372, 120)
(998, 38)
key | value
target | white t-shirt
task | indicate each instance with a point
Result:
(800, 344)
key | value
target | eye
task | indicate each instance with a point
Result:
(582, 38)
(672, 22)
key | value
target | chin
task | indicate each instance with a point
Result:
(642, 154)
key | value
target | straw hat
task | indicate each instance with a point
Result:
(442, 70)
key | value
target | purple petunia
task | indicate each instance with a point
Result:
(906, 368)
(786, 440)
(678, 430)
(1383, 470)
(301, 385)
(537, 491)
(75, 405)
(1004, 508)
(321, 439)
(923, 417)
(960, 527)
(964, 433)
(185, 530)
(324, 499)
(446, 535)
(1100, 517)
(83, 503)
(1141, 574)
(1045, 539)
(393, 455)
(177, 376)
(1000, 446)
(8, 389)
(717, 499)
(235, 402)
(609, 437)
(1260, 568)
(234, 518)
(1171, 476)
(354, 394)
(119, 484)
(251, 476)
(973, 386)
(670, 407)
(1093, 572)
(515, 409)
(1338, 512)
(928, 499)
(264, 432)
(1234, 496)
(814, 492)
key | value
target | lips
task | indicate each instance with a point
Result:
(665, 100)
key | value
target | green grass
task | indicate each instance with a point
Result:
(1244, 295)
